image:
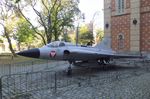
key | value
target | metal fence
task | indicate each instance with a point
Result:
(32, 83)
(38, 65)
(25, 85)
(46, 84)
(26, 67)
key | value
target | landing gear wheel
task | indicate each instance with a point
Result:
(107, 61)
(101, 62)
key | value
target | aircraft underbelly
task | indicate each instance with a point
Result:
(83, 57)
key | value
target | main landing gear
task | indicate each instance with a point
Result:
(103, 61)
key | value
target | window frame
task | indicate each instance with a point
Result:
(120, 6)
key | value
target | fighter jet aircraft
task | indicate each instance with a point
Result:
(59, 50)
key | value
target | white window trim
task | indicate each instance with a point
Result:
(122, 9)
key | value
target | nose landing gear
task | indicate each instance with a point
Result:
(69, 69)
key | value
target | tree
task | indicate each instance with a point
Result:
(24, 33)
(1, 41)
(53, 16)
(7, 20)
(66, 38)
(85, 35)
(99, 35)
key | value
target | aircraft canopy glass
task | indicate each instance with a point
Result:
(56, 44)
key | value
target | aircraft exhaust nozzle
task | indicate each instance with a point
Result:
(33, 53)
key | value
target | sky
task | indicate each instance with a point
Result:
(93, 10)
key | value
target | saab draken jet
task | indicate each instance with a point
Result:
(60, 50)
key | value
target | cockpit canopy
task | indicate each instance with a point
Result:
(59, 44)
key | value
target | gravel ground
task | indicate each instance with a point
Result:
(127, 80)
(130, 88)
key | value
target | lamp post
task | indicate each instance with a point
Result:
(82, 16)
(93, 20)
(77, 34)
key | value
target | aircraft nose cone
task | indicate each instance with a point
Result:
(33, 53)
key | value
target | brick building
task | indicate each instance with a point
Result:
(127, 23)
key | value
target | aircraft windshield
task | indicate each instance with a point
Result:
(56, 44)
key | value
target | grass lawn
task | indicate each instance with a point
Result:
(6, 59)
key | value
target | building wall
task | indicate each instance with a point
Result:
(113, 4)
(127, 4)
(120, 26)
(145, 32)
(135, 28)
(145, 3)
(145, 25)
(107, 21)
(136, 36)
(3, 48)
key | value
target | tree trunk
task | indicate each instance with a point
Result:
(49, 36)
(9, 42)
(56, 35)
(18, 45)
(48, 39)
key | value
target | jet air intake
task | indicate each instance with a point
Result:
(66, 52)
(33, 53)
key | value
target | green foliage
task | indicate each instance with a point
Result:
(62, 15)
(25, 33)
(1, 41)
(85, 35)
(66, 38)
(10, 24)
(17, 1)
(53, 16)
(8, 21)
(99, 35)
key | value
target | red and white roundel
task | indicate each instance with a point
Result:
(52, 53)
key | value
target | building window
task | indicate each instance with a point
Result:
(120, 6)
(120, 41)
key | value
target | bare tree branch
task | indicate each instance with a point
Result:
(45, 5)
(4, 17)
(32, 25)
(2, 24)
(41, 20)
(52, 8)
